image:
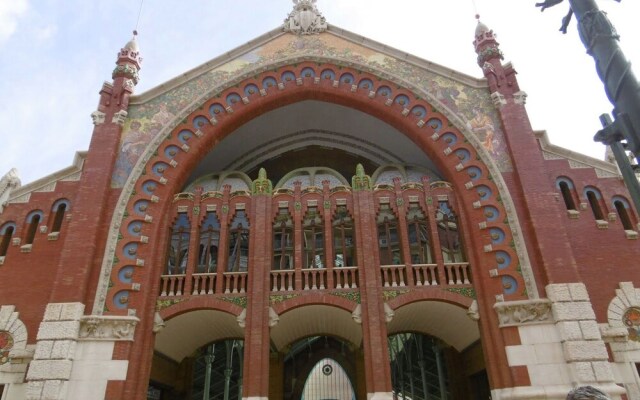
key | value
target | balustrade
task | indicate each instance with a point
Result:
(282, 280)
(204, 283)
(172, 285)
(314, 278)
(393, 275)
(346, 277)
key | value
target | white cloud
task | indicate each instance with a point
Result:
(10, 13)
(46, 32)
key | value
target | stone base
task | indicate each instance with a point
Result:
(549, 392)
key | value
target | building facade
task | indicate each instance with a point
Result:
(314, 215)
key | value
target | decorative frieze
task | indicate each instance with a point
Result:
(94, 327)
(523, 312)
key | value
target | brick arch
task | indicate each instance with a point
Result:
(421, 295)
(314, 299)
(200, 303)
(446, 147)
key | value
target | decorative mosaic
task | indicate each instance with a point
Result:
(351, 296)
(392, 294)
(146, 120)
(240, 301)
(162, 304)
(279, 298)
(466, 292)
(6, 344)
(631, 320)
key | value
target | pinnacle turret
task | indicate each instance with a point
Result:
(129, 61)
(486, 45)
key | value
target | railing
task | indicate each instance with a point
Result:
(204, 283)
(172, 285)
(458, 273)
(449, 274)
(426, 274)
(234, 282)
(345, 277)
(393, 275)
(282, 280)
(314, 278)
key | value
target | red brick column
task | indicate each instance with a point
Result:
(374, 330)
(256, 349)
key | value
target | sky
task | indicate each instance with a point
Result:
(55, 55)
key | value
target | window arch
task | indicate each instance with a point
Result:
(283, 241)
(6, 234)
(179, 245)
(33, 221)
(565, 185)
(59, 209)
(313, 229)
(389, 245)
(595, 201)
(239, 243)
(343, 238)
(449, 234)
(209, 244)
(625, 214)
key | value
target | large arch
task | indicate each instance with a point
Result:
(457, 152)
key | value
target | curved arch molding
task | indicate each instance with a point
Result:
(442, 135)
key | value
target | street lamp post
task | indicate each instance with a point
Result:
(621, 86)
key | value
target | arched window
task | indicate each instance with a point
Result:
(209, 244)
(313, 239)
(239, 243)
(59, 209)
(283, 243)
(388, 237)
(6, 233)
(179, 246)
(449, 234)
(624, 213)
(33, 221)
(343, 238)
(594, 198)
(419, 236)
(567, 189)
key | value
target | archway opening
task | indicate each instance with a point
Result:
(320, 368)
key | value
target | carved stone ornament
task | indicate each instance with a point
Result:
(498, 99)
(273, 318)
(98, 327)
(158, 323)
(9, 182)
(119, 117)
(472, 312)
(97, 117)
(305, 19)
(242, 318)
(357, 314)
(388, 313)
(520, 97)
(524, 312)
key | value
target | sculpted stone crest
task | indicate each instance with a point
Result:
(305, 19)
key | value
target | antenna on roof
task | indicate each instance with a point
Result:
(139, 14)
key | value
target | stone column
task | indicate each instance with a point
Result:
(50, 371)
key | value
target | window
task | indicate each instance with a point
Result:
(283, 243)
(313, 229)
(566, 188)
(449, 234)
(239, 243)
(419, 236)
(594, 199)
(6, 233)
(343, 238)
(179, 246)
(33, 220)
(209, 244)
(59, 209)
(624, 213)
(388, 238)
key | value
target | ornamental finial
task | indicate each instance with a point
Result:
(305, 19)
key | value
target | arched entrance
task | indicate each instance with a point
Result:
(223, 125)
